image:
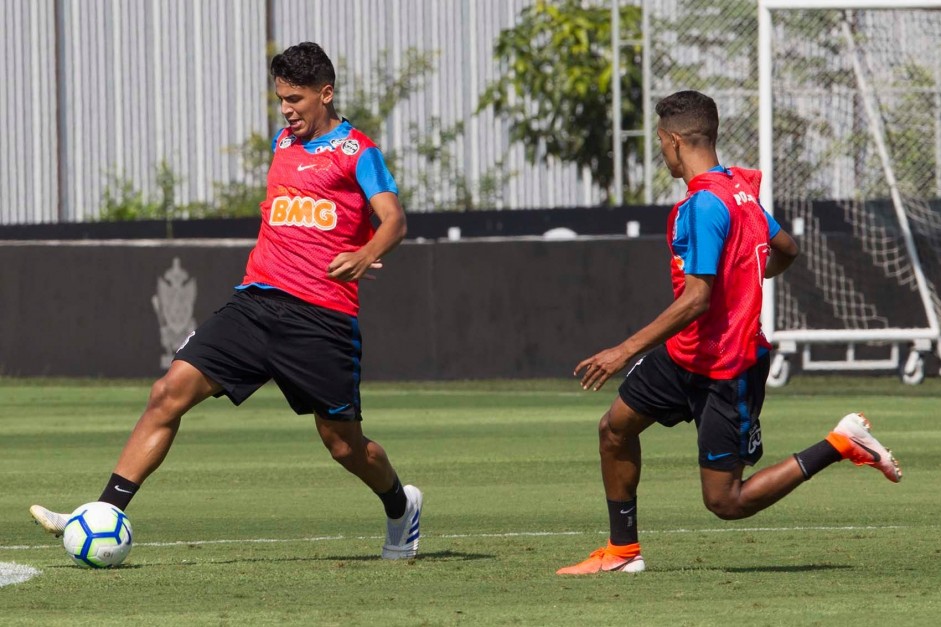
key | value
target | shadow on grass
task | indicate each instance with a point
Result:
(803, 568)
(433, 556)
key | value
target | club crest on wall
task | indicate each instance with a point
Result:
(173, 304)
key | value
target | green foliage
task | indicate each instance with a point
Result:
(371, 102)
(240, 199)
(123, 201)
(555, 88)
(440, 181)
(430, 174)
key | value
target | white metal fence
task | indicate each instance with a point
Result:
(94, 89)
(98, 88)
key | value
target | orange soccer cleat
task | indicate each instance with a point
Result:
(611, 558)
(852, 439)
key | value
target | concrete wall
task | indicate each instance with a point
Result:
(469, 309)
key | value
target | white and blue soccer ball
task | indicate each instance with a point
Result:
(97, 535)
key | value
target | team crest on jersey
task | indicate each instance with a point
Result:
(334, 144)
(350, 147)
(287, 141)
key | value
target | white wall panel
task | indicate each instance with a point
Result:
(99, 88)
(28, 149)
(119, 86)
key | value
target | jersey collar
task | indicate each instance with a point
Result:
(340, 132)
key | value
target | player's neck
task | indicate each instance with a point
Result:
(329, 124)
(699, 163)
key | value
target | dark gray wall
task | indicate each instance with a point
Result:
(469, 309)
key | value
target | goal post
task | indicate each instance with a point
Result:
(850, 148)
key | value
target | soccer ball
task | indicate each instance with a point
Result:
(97, 535)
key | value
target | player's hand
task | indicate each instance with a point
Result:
(351, 266)
(600, 367)
(376, 265)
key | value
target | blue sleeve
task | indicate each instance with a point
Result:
(372, 174)
(274, 140)
(702, 224)
(773, 227)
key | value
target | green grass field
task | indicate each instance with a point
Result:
(250, 522)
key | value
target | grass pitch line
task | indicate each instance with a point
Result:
(512, 534)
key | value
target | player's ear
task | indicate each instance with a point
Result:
(326, 94)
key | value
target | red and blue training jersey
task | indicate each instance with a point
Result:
(719, 229)
(317, 207)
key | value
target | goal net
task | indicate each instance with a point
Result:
(850, 128)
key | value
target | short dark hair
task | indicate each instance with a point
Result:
(691, 114)
(304, 65)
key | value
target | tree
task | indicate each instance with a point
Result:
(555, 90)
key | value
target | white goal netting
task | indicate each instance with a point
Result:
(856, 153)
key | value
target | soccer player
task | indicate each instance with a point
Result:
(293, 318)
(707, 360)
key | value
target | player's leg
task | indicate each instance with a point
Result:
(182, 387)
(367, 460)
(358, 454)
(317, 367)
(619, 447)
(171, 396)
(652, 392)
(729, 497)
(730, 437)
(221, 357)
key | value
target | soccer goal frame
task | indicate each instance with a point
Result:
(790, 342)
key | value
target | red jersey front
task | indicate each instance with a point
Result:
(317, 207)
(726, 234)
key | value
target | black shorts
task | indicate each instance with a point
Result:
(311, 352)
(726, 411)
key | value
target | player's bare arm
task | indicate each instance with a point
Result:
(692, 303)
(352, 265)
(784, 251)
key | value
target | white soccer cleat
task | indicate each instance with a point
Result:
(402, 534)
(865, 449)
(50, 521)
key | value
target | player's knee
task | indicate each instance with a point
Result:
(608, 438)
(724, 507)
(343, 452)
(164, 397)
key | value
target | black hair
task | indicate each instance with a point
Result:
(304, 65)
(691, 114)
